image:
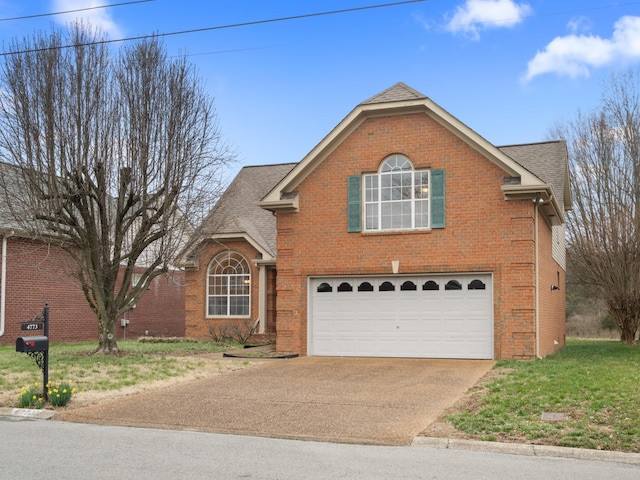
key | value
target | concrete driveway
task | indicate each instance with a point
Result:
(348, 400)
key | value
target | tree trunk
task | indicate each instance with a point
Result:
(107, 342)
(626, 315)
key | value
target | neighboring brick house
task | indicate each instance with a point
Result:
(403, 233)
(34, 272)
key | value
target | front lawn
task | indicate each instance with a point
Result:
(595, 383)
(141, 363)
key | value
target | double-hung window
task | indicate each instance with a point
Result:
(397, 197)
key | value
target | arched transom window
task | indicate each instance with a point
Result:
(228, 286)
(397, 197)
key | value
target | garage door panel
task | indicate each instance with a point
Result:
(402, 323)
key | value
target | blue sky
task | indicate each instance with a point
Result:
(509, 69)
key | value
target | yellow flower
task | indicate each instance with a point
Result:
(64, 390)
(73, 390)
(49, 392)
(58, 396)
(34, 397)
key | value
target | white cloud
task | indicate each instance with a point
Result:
(99, 18)
(575, 55)
(476, 15)
(578, 24)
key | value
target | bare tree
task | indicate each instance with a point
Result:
(604, 227)
(114, 157)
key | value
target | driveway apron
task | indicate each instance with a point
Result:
(348, 400)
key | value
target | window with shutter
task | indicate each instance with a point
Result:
(398, 198)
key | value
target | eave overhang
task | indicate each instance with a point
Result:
(267, 256)
(543, 196)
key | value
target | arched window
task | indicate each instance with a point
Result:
(228, 286)
(345, 287)
(365, 287)
(408, 285)
(476, 285)
(386, 287)
(397, 197)
(453, 285)
(430, 285)
(324, 288)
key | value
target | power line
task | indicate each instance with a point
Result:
(26, 17)
(219, 27)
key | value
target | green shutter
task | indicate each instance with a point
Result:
(353, 204)
(437, 199)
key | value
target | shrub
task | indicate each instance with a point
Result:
(220, 334)
(60, 394)
(30, 397)
(237, 332)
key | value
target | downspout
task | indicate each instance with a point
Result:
(538, 200)
(3, 284)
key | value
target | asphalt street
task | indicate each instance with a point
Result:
(60, 450)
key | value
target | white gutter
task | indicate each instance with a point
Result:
(3, 284)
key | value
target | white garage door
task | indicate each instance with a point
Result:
(444, 316)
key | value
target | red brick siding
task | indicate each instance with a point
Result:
(160, 312)
(197, 323)
(484, 233)
(37, 273)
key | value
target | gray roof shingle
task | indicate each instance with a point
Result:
(399, 92)
(547, 161)
(237, 211)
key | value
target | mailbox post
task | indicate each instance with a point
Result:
(37, 347)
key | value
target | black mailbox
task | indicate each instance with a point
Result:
(32, 344)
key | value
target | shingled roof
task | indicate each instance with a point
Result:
(400, 92)
(548, 161)
(237, 211)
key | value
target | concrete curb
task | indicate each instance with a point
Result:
(39, 414)
(528, 450)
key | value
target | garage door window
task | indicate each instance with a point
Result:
(430, 285)
(453, 285)
(408, 285)
(387, 287)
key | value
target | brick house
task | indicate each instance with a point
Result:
(403, 233)
(34, 272)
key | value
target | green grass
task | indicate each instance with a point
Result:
(595, 382)
(141, 362)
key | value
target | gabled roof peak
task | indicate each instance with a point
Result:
(399, 92)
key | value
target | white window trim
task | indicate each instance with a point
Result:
(379, 202)
(228, 296)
